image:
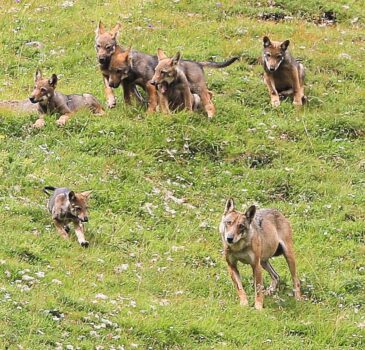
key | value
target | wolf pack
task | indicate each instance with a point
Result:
(173, 84)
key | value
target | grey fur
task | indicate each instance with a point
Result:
(63, 104)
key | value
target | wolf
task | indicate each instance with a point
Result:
(67, 207)
(253, 238)
(50, 102)
(106, 46)
(170, 71)
(283, 74)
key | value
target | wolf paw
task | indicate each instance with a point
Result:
(297, 102)
(62, 120)
(84, 244)
(275, 103)
(111, 103)
(258, 305)
(39, 124)
(243, 302)
(100, 112)
(297, 295)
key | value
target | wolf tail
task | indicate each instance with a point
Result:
(219, 64)
(48, 188)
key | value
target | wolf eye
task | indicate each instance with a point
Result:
(228, 222)
(98, 46)
(241, 227)
(268, 55)
(280, 57)
(43, 89)
(164, 71)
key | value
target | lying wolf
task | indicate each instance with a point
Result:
(51, 102)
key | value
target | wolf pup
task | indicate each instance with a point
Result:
(284, 75)
(136, 67)
(106, 45)
(174, 89)
(170, 71)
(68, 206)
(253, 238)
(50, 102)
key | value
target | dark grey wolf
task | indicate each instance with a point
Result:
(67, 207)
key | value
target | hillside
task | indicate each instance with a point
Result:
(154, 276)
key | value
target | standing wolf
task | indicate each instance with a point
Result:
(253, 238)
(106, 46)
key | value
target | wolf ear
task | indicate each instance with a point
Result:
(115, 30)
(129, 55)
(266, 41)
(284, 45)
(38, 75)
(53, 80)
(100, 29)
(161, 55)
(71, 196)
(86, 194)
(229, 206)
(250, 213)
(176, 59)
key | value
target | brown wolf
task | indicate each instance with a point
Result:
(106, 45)
(284, 75)
(139, 68)
(67, 206)
(253, 238)
(170, 71)
(49, 101)
(135, 67)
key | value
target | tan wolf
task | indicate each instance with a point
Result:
(253, 238)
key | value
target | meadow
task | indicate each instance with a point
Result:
(154, 276)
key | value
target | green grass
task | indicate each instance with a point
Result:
(159, 263)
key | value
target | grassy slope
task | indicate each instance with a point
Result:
(175, 293)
